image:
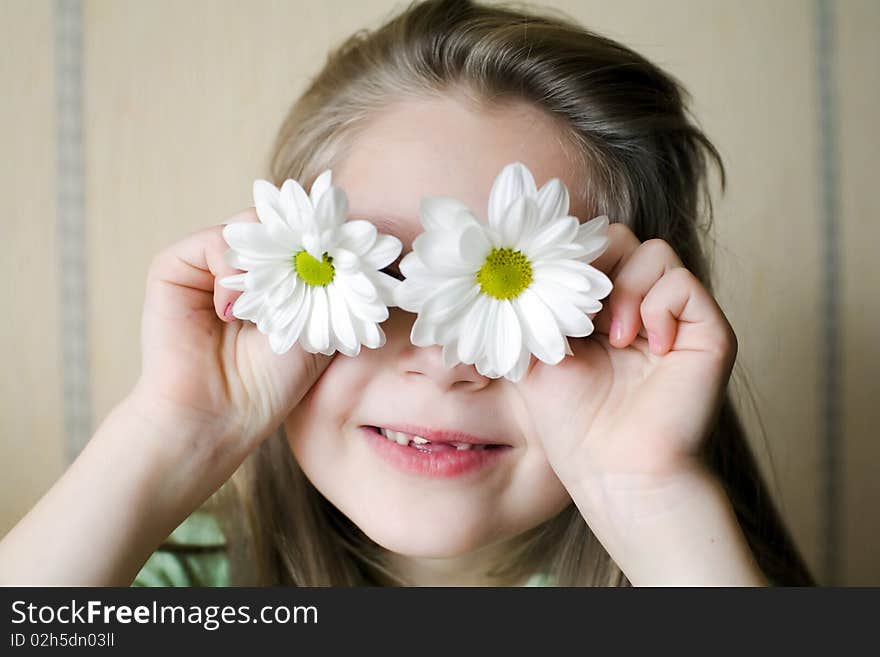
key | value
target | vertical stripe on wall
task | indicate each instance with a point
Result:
(829, 288)
(70, 197)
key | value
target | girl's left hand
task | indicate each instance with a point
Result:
(635, 402)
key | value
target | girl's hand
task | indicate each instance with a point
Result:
(204, 367)
(640, 394)
(211, 389)
(622, 421)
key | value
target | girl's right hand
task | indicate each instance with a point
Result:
(204, 368)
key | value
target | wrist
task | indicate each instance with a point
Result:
(198, 436)
(174, 458)
(627, 498)
(676, 529)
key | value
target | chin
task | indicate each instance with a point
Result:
(417, 533)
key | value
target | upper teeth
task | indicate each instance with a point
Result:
(404, 439)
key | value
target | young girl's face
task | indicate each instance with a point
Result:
(437, 500)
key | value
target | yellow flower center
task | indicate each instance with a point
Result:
(314, 272)
(505, 274)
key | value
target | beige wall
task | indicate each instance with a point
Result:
(178, 122)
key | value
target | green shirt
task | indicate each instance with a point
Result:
(199, 557)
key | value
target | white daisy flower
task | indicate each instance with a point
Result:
(492, 294)
(310, 275)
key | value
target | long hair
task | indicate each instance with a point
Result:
(643, 161)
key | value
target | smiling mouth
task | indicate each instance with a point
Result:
(432, 446)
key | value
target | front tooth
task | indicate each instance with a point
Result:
(462, 445)
(399, 438)
(418, 440)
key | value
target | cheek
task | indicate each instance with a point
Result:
(315, 428)
(537, 494)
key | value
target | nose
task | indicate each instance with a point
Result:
(428, 362)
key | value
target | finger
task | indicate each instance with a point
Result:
(196, 263)
(224, 297)
(680, 315)
(637, 275)
(622, 242)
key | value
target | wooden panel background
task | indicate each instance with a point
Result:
(181, 102)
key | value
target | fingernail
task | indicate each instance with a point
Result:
(616, 330)
(227, 311)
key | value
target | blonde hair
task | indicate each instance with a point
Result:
(642, 159)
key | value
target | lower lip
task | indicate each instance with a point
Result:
(441, 465)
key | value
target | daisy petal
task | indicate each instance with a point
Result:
(474, 247)
(278, 342)
(340, 319)
(296, 205)
(364, 310)
(446, 302)
(361, 285)
(357, 235)
(483, 355)
(279, 296)
(519, 222)
(283, 313)
(484, 367)
(592, 247)
(318, 328)
(369, 334)
(383, 252)
(267, 203)
(412, 267)
(585, 303)
(234, 282)
(319, 186)
(285, 237)
(552, 200)
(422, 332)
(601, 285)
(522, 365)
(294, 331)
(344, 260)
(253, 241)
(515, 180)
(450, 330)
(572, 320)
(411, 294)
(248, 305)
(567, 274)
(539, 328)
(507, 338)
(237, 260)
(385, 286)
(313, 245)
(450, 354)
(473, 329)
(445, 213)
(441, 253)
(592, 228)
(332, 209)
(556, 232)
(267, 276)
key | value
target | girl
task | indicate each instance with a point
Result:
(623, 464)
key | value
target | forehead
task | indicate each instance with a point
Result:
(444, 147)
